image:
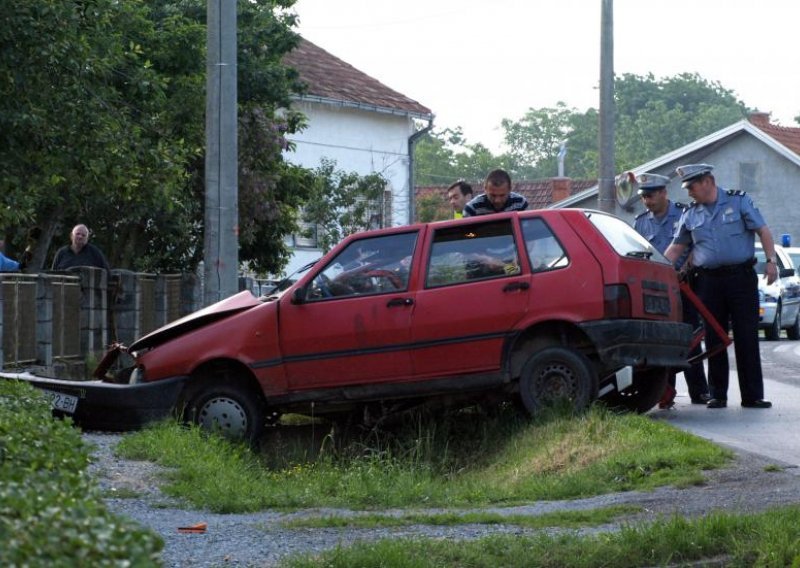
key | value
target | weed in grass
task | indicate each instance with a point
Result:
(571, 519)
(773, 467)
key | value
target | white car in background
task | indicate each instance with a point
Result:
(779, 302)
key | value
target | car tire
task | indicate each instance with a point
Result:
(793, 332)
(773, 332)
(645, 392)
(557, 376)
(229, 409)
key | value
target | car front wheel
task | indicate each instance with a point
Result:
(557, 377)
(229, 409)
(794, 331)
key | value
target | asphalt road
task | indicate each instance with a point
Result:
(772, 433)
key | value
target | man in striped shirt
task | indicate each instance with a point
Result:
(497, 198)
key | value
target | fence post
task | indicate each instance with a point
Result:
(191, 293)
(2, 309)
(126, 306)
(44, 320)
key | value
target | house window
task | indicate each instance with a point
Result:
(748, 176)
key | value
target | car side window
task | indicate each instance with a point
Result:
(472, 252)
(544, 250)
(375, 265)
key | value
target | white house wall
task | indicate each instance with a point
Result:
(358, 140)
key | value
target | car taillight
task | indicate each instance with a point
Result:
(616, 301)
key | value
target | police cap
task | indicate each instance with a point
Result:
(690, 172)
(651, 182)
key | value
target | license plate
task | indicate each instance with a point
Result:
(63, 402)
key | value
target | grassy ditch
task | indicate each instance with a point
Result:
(767, 539)
(458, 462)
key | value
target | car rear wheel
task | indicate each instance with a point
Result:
(773, 332)
(229, 409)
(643, 394)
(794, 331)
(557, 377)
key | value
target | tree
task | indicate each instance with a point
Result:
(445, 156)
(653, 117)
(102, 122)
(342, 203)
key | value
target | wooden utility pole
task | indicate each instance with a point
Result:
(605, 197)
(221, 238)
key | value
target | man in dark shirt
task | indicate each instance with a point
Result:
(80, 252)
(497, 198)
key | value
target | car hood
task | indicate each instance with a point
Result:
(215, 312)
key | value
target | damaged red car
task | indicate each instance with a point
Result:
(540, 306)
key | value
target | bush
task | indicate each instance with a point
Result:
(51, 512)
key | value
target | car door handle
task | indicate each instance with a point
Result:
(516, 286)
(394, 302)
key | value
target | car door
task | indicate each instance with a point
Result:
(473, 293)
(351, 323)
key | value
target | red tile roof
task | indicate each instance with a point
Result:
(786, 135)
(539, 193)
(329, 77)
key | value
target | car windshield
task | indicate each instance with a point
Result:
(625, 240)
(284, 284)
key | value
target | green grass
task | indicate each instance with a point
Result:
(570, 519)
(459, 462)
(768, 539)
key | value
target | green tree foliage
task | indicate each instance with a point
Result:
(102, 121)
(343, 203)
(654, 116)
(445, 156)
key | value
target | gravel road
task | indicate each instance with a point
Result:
(259, 539)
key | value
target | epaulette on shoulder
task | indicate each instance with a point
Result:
(733, 192)
(680, 205)
(642, 214)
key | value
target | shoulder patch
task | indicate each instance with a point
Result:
(733, 192)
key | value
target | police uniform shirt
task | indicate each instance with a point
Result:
(723, 233)
(482, 206)
(659, 231)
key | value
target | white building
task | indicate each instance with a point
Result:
(361, 124)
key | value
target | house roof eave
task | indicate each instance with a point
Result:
(743, 125)
(339, 103)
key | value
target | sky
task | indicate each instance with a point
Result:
(476, 62)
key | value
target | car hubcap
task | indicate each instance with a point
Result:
(556, 381)
(224, 415)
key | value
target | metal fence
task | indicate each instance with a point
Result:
(53, 317)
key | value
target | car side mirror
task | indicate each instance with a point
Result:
(299, 296)
(786, 272)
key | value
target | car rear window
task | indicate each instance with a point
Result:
(472, 252)
(623, 238)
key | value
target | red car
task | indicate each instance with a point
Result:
(544, 305)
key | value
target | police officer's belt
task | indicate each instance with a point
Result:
(727, 268)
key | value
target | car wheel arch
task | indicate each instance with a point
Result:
(226, 376)
(541, 336)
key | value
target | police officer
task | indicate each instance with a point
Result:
(657, 224)
(721, 225)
